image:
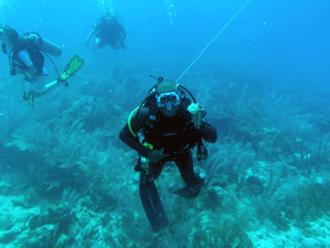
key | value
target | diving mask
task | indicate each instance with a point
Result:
(168, 100)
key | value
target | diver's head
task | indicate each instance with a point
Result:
(110, 15)
(8, 34)
(168, 98)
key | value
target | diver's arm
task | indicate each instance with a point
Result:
(208, 132)
(127, 137)
(122, 44)
(123, 36)
(122, 41)
(133, 142)
(90, 36)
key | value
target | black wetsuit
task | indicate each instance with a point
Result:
(176, 135)
(110, 32)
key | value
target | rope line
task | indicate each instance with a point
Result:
(207, 46)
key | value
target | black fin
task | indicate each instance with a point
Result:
(190, 192)
(152, 204)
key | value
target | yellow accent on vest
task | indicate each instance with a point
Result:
(129, 121)
(148, 145)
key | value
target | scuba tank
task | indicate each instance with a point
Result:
(50, 48)
(37, 44)
(45, 45)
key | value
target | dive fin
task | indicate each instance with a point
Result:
(192, 191)
(152, 204)
(188, 192)
(72, 67)
(29, 98)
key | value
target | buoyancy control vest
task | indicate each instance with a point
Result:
(175, 135)
(158, 132)
(36, 56)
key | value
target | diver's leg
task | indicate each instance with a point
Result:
(185, 165)
(38, 88)
(193, 181)
(154, 169)
(151, 202)
(37, 91)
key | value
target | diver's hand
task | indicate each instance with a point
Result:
(156, 155)
(87, 42)
(197, 113)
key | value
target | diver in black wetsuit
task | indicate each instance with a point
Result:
(109, 31)
(165, 129)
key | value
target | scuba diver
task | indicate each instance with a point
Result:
(26, 55)
(164, 128)
(109, 31)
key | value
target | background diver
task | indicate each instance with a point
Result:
(109, 31)
(165, 128)
(26, 57)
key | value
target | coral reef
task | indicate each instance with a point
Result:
(67, 181)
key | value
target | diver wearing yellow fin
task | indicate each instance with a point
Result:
(26, 55)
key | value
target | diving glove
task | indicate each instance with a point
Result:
(155, 155)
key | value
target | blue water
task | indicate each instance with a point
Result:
(282, 42)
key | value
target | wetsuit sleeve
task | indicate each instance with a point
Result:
(91, 33)
(137, 122)
(208, 132)
(122, 30)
